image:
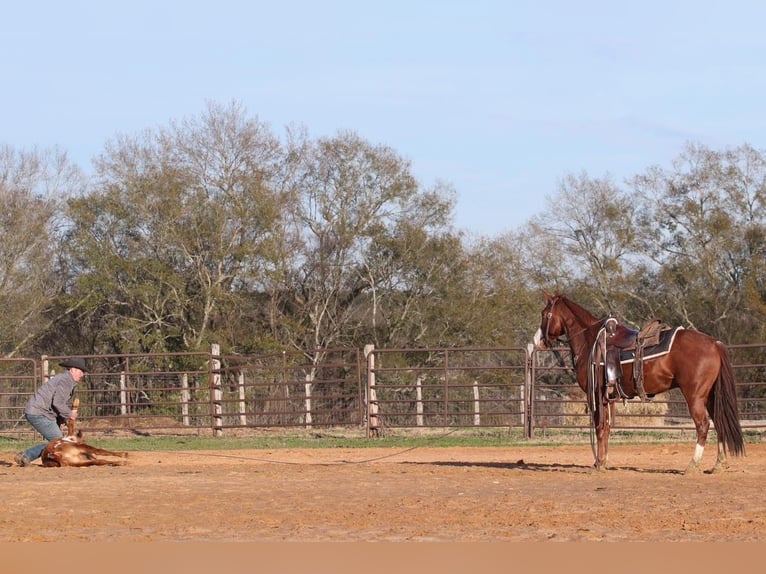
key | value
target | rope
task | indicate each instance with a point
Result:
(339, 463)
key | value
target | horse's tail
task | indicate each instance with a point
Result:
(725, 411)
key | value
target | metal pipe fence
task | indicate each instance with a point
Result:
(523, 389)
(557, 402)
(447, 387)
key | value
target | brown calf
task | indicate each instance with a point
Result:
(72, 451)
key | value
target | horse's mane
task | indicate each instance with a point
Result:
(581, 313)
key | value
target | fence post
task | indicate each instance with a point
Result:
(527, 391)
(216, 389)
(123, 394)
(286, 384)
(45, 373)
(242, 402)
(372, 396)
(476, 404)
(446, 388)
(185, 399)
(307, 401)
(419, 401)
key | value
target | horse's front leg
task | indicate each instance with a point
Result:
(603, 428)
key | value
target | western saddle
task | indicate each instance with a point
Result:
(620, 339)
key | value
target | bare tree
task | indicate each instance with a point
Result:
(588, 228)
(350, 195)
(689, 232)
(33, 188)
(175, 228)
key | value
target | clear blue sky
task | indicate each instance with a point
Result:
(499, 98)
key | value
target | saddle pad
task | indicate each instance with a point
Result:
(662, 348)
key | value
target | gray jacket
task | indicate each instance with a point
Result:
(52, 399)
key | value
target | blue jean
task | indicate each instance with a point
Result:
(46, 427)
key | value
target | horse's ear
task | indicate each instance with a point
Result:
(547, 296)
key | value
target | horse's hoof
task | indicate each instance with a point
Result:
(692, 469)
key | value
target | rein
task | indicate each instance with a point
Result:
(592, 389)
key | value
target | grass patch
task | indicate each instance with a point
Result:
(266, 439)
(287, 439)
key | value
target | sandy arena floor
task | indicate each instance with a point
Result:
(523, 494)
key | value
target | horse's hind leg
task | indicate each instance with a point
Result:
(702, 426)
(721, 463)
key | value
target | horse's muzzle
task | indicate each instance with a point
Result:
(539, 340)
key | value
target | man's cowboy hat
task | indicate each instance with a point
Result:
(75, 362)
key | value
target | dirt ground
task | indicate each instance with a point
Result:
(524, 494)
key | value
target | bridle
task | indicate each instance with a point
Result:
(548, 317)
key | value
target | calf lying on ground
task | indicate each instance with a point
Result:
(72, 451)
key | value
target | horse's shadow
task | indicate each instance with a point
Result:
(547, 467)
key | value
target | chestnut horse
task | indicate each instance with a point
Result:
(696, 364)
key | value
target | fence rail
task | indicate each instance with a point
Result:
(374, 389)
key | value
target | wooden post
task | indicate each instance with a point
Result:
(123, 394)
(216, 389)
(372, 396)
(527, 409)
(185, 399)
(419, 401)
(47, 373)
(476, 405)
(242, 402)
(307, 402)
(285, 384)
